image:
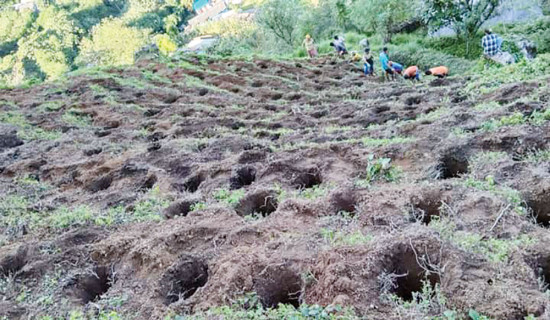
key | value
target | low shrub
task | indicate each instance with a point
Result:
(415, 54)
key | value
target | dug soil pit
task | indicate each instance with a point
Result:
(263, 202)
(343, 201)
(278, 284)
(540, 207)
(89, 287)
(178, 209)
(407, 275)
(193, 183)
(100, 184)
(13, 261)
(452, 164)
(427, 206)
(307, 179)
(183, 279)
(242, 177)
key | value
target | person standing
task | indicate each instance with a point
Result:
(491, 44)
(309, 44)
(492, 48)
(389, 74)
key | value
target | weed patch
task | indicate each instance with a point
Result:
(493, 249)
(250, 307)
(27, 131)
(335, 238)
(380, 169)
(73, 117)
(512, 196)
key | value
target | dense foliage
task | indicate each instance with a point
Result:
(61, 35)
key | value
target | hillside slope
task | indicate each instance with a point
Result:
(183, 186)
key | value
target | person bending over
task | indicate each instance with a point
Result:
(368, 63)
(412, 73)
(440, 72)
(398, 68)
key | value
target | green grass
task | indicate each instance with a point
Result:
(484, 158)
(335, 238)
(433, 116)
(537, 156)
(26, 131)
(313, 193)
(15, 211)
(488, 79)
(488, 106)
(493, 249)
(250, 308)
(537, 118)
(72, 117)
(228, 197)
(51, 106)
(512, 196)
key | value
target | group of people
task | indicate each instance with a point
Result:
(491, 43)
(390, 68)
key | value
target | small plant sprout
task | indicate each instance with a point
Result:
(380, 169)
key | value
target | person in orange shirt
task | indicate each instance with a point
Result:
(440, 72)
(412, 73)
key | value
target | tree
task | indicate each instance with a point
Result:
(281, 18)
(382, 16)
(112, 43)
(465, 16)
(50, 43)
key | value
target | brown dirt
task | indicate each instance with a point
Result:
(262, 128)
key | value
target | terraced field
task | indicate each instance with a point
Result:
(173, 188)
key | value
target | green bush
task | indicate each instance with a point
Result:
(112, 43)
(230, 27)
(414, 54)
(456, 46)
(165, 44)
(382, 17)
(537, 31)
(488, 77)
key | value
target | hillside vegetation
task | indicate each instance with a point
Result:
(64, 35)
(67, 34)
(248, 182)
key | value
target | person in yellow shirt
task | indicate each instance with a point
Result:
(355, 57)
(309, 44)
